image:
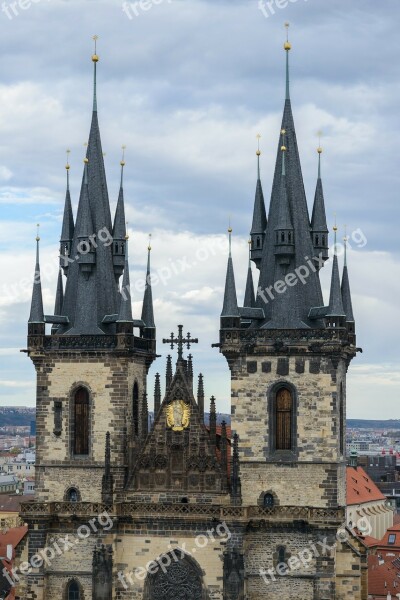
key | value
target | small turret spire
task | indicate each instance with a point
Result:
(335, 312)
(125, 308)
(259, 223)
(249, 297)
(157, 395)
(200, 396)
(213, 422)
(168, 374)
(230, 307)
(37, 314)
(95, 59)
(67, 230)
(345, 289)
(287, 46)
(319, 228)
(119, 228)
(147, 310)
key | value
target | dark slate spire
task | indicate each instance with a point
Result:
(236, 486)
(119, 229)
(284, 234)
(157, 395)
(200, 396)
(168, 375)
(59, 300)
(147, 309)
(91, 293)
(107, 480)
(125, 307)
(67, 230)
(259, 224)
(335, 315)
(230, 307)
(319, 229)
(213, 422)
(289, 309)
(37, 314)
(345, 288)
(249, 297)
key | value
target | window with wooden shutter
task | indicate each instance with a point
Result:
(81, 422)
(283, 413)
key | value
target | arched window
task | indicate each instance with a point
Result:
(135, 408)
(268, 501)
(282, 236)
(81, 422)
(72, 495)
(73, 591)
(283, 420)
(258, 242)
(281, 554)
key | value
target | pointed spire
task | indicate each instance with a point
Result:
(67, 230)
(213, 422)
(125, 308)
(59, 295)
(107, 481)
(335, 298)
(319, 228)
(284, 218)
(249, 297)
(168, 375)
(287, 46)
(157, 395)
(95, 60)
(37, 314)
(119, 229)
(147, 309)
(200, 396)
(230, 307)
(259, 223)
(345, 288)
(190, 369)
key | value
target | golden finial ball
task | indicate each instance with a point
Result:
(95, 58)
(86, 161)
(335, 228)
(287, 46)
(122, 163)
(319, 150)
(67, 166)
(258, 152)
(283, 148)
(127, 236)
(230, 229)
(283, 131)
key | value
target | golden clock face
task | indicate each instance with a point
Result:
(178, 415)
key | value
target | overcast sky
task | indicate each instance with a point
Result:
(187, 85)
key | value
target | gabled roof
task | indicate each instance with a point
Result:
(360, 487)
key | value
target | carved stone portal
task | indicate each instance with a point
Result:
(181, 580)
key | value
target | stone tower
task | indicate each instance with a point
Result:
(288, 355)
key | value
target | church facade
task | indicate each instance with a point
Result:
(181, 509)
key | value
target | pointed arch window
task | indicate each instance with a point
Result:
(73, 591)
(283, 419)
(81, 422)
(268, 500)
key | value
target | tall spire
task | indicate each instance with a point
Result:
(125, 308)
(147, 309)
(345, 288)
(259, 223)
(287, 47)
(157, 395)
(67, 230)
(291, 309)
(335, 312)
(319, 228)
(249, 297)
(230, 307)
(200, 396)
(119, 228)
(95, 60)
(37, 314)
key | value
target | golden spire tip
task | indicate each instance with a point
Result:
(287, 45)
(67, 166)
(37, 232)
(122, 163)
(149, 245)
(95, 57)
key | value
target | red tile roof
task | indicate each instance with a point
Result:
(11, 537)
(384, 577)
(360, 487)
